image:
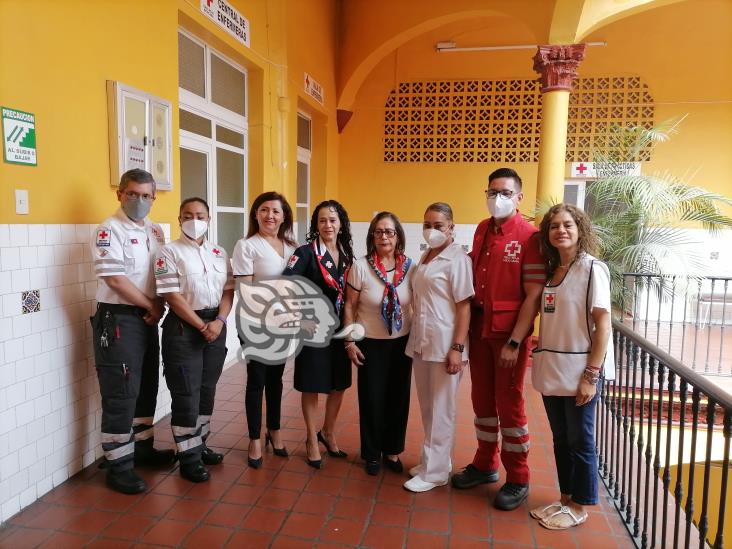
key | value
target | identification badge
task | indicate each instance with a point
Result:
(104, 237)
(549, 301)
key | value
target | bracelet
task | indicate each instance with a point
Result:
(513, 343)
(590, 377)
(221, 318)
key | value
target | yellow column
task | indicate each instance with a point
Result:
(557, 66)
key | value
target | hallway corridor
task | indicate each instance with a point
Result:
(286, 504)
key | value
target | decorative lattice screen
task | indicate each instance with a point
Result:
(498, 120)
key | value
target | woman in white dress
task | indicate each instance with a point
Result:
(442, 286)
(264, 253)
(572, 358)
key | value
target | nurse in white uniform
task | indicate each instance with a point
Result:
(572, 358)
(442, 286)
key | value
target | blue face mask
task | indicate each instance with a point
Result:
(137, 208)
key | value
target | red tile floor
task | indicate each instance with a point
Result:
(288, 504)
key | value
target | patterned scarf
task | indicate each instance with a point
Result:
(391, 309)
(337, 285)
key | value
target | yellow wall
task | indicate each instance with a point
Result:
(692, 74)
(136, 42)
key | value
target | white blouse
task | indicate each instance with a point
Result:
(256, 257)
(362, 278)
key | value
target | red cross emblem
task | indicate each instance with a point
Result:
(160, 262)
(216, 251)
(513, 248)
(549, 299)
(103, 234)
(582, 168)
(209, 2)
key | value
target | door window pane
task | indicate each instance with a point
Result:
(303, 224)
(194, 123)
(191, 66)
(230, 137)
(228, 85)
(302, 182)
(570, 194)
(230, 229)
(193, 174)
(303, 132)
(230, 178)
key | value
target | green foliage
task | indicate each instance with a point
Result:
(637, 218)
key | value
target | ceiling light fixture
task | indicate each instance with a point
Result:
(448, 47)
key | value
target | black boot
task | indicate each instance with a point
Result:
(125, 481)
(195, 472)
(209, 457)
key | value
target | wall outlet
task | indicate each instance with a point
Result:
(21, 202)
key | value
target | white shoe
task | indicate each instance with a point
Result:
(416, 484)
(414, 471)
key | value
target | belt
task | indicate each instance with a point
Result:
(207, 314)
(121, 309)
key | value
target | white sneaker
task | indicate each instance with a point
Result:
(416, 484)
(414, 471)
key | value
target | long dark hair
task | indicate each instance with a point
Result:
(401, 239)
(586, 238)
(344, 239)
(285, 230)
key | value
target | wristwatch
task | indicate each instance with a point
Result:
(513, 343)
(459, 347)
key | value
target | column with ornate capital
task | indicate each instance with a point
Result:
(557, 67)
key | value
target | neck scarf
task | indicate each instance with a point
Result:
(391, 309)
(339, 284)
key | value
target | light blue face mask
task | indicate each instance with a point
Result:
(136, 208)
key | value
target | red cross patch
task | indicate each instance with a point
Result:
(216, 251)
(104, 237)
(292, 261)
(161, 266)
(549, 301)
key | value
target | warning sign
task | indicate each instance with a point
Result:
(19, 137)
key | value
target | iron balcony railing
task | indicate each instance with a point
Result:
(663, 437)
(689, 318)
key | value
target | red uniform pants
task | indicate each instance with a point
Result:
(498, 403)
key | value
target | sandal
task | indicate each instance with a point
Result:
(543, 512)
(576, 521)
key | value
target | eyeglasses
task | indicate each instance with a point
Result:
(131, 195)
(389, 233)
(506, 193)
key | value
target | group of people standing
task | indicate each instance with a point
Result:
(433, 316)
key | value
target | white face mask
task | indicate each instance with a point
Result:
(434, 238)
(194, 228)
(501, 207)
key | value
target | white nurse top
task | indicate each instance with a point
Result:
(567, 328)
(436, 289)
(256, 257)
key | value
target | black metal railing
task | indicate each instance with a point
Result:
(689, 318)
(663, 437)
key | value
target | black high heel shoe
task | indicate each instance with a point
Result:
(314, 463)
(331, 452)
(255, 463)
(282, 452)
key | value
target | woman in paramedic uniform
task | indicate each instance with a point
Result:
(194, 277)
(572, 358)
(264, 253)
(442, 286)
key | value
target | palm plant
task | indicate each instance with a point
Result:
(638, 218)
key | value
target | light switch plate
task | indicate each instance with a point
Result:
(21, 202)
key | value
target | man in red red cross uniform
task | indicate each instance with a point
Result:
(509, 274)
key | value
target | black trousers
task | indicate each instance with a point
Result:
(384, 383)
(268, 378)
(126, 352)
(192, 368)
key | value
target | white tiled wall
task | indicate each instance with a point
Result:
(50, 409)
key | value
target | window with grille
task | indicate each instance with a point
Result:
(499, 120)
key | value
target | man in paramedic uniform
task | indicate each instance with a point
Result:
(509, 275)
(125, 332)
